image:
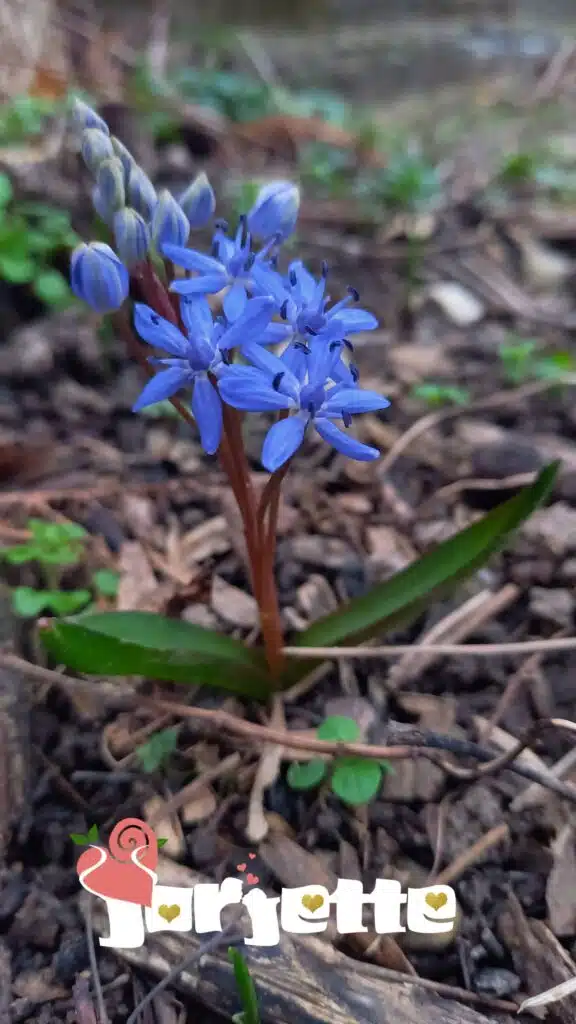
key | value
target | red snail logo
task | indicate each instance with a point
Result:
(126, 870)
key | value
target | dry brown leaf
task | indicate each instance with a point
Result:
(561, 884)
(168, 827)
(202, 806)
(138, 584)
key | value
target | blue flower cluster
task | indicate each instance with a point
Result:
(225, 358)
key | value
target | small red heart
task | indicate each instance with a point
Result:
(241, 867)
(252, 856)
(252, 879)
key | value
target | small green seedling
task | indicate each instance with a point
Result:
(154, 754)
(55, 547)
(246, 990)
(31, 233)
(60, 544)
(106, 582)
(522, 360)
(436, 395)
(355, 780)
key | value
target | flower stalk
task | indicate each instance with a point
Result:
(310, 385)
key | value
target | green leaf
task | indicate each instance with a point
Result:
(20, 554)
(92, 834)
(6, 190)
(356, 780)
(52, 288)
(28, 602)
(66, 554)
(338, 728)
(156, 751)
(66, 602)
(246, 988)
(161, 843)
(106, 582)
(403, 597)
(306, 775)
(145, 644)
(16, 269)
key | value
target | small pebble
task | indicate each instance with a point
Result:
(497, 982)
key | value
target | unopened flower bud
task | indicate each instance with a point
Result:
(96, 147)
(101, 206)
(132, 236)
(123, 154)
(169, 222)
(198, 202)
(275, 211)
(98, 277)
(84, 117)
(141, 192)
(110, 183)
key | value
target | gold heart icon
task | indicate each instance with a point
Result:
(312, 903)
(169, 913)
(436, 900)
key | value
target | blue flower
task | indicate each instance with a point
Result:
(229, 267)
(304, 304)
(169, 222)
(198, 202)
(196, 354)
(311, 393)
(98, 277)
(275, 211)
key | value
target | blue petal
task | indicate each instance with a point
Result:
(209, 284)
(353, 400)
(351, 321)
(304, 290)
(344, 443)
(295, 358)
(235, 301)
(268, 282)
(159, 332)
(275, 333)
(207, 411)
(281, 441)
(164, 385)
(273, 366)
(192, 260)
(247, 389)
(197, 316)
(226, 247)
(250, 325)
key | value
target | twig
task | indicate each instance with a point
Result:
(100, 1002)
(428, 743)
(467, 859)
(394, 650)
(453, 628)
(227, 937)
(433, 419)
(184, 795)
(441, 989)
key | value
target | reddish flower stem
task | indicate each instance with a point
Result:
(260, 538)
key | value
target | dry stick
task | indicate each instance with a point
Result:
(227, 936)
(503, 760)
(394, 650)
(102, 1014)
(461, 864)
(427, 743)
(432, 419)
(184, 795)
(455, 627)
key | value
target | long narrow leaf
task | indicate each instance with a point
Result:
(402, 598)
(144, 644)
